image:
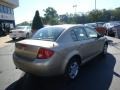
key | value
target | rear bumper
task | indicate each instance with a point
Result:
(20, 35)
(37, 67)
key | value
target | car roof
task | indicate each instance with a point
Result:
(66, 26)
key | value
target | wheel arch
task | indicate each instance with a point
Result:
(106, 42)
(75, 55)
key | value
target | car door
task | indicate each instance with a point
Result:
(96, 43)
(82, 42)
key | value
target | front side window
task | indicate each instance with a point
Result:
(91, 32)
(48, 33)
(80, 34)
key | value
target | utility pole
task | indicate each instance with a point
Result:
(75, 7)
(95, 4)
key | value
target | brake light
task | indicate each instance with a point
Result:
(44, 53)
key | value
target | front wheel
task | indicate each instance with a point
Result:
(104, 52)
(13, 39)
(72, 69)
(27, 35)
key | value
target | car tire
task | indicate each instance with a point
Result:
(13, 39)
(72, 69)
(27, 35)
(104, 52)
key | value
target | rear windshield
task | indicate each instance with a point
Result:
(20, 27)
(48, 33)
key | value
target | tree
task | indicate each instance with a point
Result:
(107, 14)
(74, 18)
(95, 15)
(51, 16)
(37, 22)
(116, 14)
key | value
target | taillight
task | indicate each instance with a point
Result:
(44, 53)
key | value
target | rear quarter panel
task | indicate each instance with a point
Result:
(66, 52)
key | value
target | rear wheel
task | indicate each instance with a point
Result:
(72, 69)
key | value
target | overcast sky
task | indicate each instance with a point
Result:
(27, 8)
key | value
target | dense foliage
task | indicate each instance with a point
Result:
(51, 17)
(93, 16)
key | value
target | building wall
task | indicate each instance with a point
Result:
(7, 14)
(12, 3)
(6, 9)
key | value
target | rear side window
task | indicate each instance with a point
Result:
(74, 37)
(80, 34)
(48, 33)
(91, 32)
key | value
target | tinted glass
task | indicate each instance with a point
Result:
(1, 8)
(73, 36)
(20, 27)
(5, 9)
(48, 33)
(12, 11)
(80, 34)
(8, 10)
(91, 32)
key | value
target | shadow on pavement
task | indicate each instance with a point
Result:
(95, 75)
(116, 74)
(2, 35)
(13, 41)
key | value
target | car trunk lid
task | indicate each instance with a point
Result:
(17, 31)
(29, 48)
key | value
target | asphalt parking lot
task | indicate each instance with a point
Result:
(99, 74)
